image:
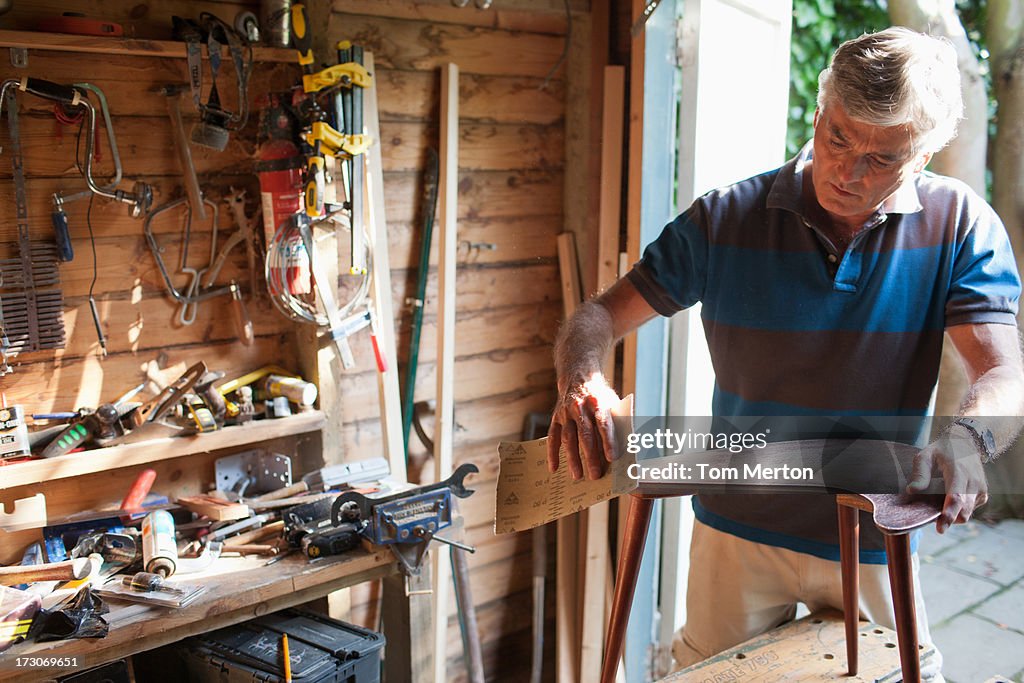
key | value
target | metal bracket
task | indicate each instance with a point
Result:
(255, 471)
(19, 57)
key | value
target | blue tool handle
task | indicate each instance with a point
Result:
(60, 229)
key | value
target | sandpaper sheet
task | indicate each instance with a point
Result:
(528, 495)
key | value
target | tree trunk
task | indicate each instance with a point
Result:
(1005, 32)
(1005, 38)
(964, 157)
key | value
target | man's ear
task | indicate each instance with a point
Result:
(817, 113)
(922, 162)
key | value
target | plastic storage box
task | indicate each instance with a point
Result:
(321, 649)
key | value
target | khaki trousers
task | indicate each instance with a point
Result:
(738, 589)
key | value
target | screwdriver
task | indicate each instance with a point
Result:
(147, 582)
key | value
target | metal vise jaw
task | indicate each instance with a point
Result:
(407, 521)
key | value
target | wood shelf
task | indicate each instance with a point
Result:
(172, 49)
(102, 459)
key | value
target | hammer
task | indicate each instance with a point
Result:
(195, 195)
(69, 570)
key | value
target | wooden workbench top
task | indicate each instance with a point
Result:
(238, 589)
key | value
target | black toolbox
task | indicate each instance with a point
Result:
(321, 650)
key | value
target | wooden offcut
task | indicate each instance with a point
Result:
(809, 649)
(444, 430)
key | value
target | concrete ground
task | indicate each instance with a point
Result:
(973, 582)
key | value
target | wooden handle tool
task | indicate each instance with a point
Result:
(286, 492)
(69, 570)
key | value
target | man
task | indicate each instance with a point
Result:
(826, 287)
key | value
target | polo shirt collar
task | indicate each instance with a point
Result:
(786, 191)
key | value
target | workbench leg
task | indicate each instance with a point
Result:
(901, 581)
(408, 627)
(630, 556)
(849, 560)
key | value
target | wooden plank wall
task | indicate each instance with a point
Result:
(139, 319)
(511, 197)
(511, 170)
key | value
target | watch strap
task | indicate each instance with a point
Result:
(982, 436)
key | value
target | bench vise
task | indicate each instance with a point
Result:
(407, 521)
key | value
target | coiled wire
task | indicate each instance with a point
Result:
(303, 308)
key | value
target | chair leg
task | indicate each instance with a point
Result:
(849, 560)
(630, 555)
(901, 581)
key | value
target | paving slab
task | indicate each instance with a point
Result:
(990, 555)
(974, 649)
(933, 543)
(1011, 527)
(1006, 608)
(948, 592)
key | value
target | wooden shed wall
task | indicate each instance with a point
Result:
(511, 197)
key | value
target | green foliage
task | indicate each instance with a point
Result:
(819, 26)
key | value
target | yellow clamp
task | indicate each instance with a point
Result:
(316, 181)
(336, 144)
(346, 75)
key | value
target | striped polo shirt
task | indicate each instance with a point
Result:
(797, 329)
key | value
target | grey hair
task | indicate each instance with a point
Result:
(897, 77)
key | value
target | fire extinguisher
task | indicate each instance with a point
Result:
(280, 173)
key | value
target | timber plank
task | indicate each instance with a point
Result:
(477, 420)
(127, 271)
(150, 20)
(416, 46)
(504, 284)
(480, 376)
(529, 324)
(536, 16)
(151, 322)
(146, 148)
(132, 84)
(492, 147)
(492, 241)
(482, 194)
(127, 267)
(110, 218)
(486, 198)
(145, 144)
(413, 96)
(59, 385)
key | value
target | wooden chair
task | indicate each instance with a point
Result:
(894, 514)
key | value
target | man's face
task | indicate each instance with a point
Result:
(857, 166)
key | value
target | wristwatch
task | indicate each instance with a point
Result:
(982, 436)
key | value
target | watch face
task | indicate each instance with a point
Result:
(990, 442)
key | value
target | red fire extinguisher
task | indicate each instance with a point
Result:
(280, 173)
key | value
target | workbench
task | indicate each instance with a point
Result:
(809, 649)
(238, 589)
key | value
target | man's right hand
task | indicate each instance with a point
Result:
(582, 422)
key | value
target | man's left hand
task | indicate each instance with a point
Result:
(956, 457)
